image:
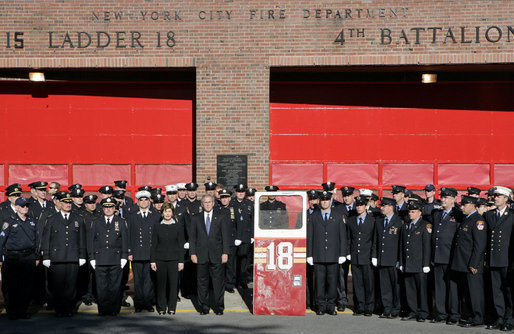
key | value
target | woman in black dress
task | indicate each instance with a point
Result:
(167, 258)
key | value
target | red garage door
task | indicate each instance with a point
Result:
(375, 135)
(94, 133)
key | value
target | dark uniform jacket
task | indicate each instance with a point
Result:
(167, 242)
(326, 239)
(244, 219)
(443, 234)
(403, 213)
(360, 239)
(344, 209)
(499, 249)
(273, 215)
(209, 248)
(36, 210)
(140, 234)
(415, 246)
(470, 244)
(108, 244)
(64, 241)
(19, 235)
(428, 209)
(229, 211)
(387, 241)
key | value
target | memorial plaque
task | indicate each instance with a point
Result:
(232, 170)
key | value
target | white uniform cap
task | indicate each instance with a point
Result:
(171, 188)
(181, 186)
(365, 192)
(502, 191)
(143, 193)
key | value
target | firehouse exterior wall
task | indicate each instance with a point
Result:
(232, 45)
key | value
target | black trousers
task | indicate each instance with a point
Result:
(442, 298)
(243, 252)
(143, 285)
(231, 268)
(501, 283)
(17, 282)
(62, 281)
(416, 294)
(83, 278)
(188, 279)
(108, 288)
(363, 287)
(389, 290)
(326, 285)
(214, 272)
(310, 289)
(166, 285)
(473, 289)
(342, 284)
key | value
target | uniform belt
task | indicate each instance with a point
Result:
(21, 252)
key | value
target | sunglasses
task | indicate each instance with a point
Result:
(24, 206)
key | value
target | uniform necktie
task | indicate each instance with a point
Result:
(411, 226)
(360, 221)
(66, 217)
(208, 223)
(444, 215)
(108, 221)
(44, 205)
(397, 208)
(326, 216)
(144, 214)
(498, 215)
(386, 221)
(349, 208)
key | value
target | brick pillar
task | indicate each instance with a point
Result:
(232, 116)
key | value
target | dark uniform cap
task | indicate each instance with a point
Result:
(75, 186)
(359, 200)
(121, 184)
(482, 201)
(40, 185)
(108, 190)
(21, 201)
(191, 186)
(325, 195)
(491, 190)
(374, 197)
(328, 186)
(398, 189)
(158, 198)
(407, 192)
(107, 202)
(155, 191)
(465, 199)
(66, 198)
(210, 186)
(415, 205)
(91, 199)
(77, 192)
(313, 194)
(251, 191)
(347, 191)
(415, 197)
(429, 187)
(271, 188)
(240, 188)
(448, 192)
(13, 189)
(387, 201)
(120, 194)
(473, 191)
(60, 194)
(224, 193)
(143, 188)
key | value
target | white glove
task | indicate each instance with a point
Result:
(186, 245)
(401, 269)
(426, 270)
(374, 261)
(237, 242)
(349, 257)
(342, 259)
(310, 260)
(93, 263)
(251, 240)
(46, 263)
(82, 262)
(123, 263)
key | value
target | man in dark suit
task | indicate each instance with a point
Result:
(361, 229)
(385, 257)
(273, 212)
(348, 210)
(500, 223)
(326, 248)
(401, 208)
(467, 263)
(122, 185)
(209, 246)
(40, 203)
(445, 224)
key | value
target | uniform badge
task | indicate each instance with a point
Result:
(76, 224)
(116, 226)
(391, 230)
(32, 224)
(396, 230)
(15, 225)
(200, 209)
(429, 228)
(418, 232)
(5, 226)
(480, 225)
(232, 215)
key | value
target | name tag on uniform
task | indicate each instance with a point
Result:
(418, 232)
(32, 224)
(116, 226)
(76, 224)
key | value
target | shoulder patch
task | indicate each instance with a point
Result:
(5, 226)
(480, 225)
(429, 228)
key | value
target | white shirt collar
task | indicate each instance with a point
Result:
(502, 211)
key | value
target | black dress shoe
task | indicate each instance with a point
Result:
(243, 286)
(496, 325)
(204, 312)
(470, 324)
(437, 320)
(393, 316)
(384, 315)
(320, 312)
(409, 318)
(357, 313)
(368, 314)
(150, 309)
(507, 328)
(333, 312)
(230, 290)
(137, 310)
(451, 322)
(420, 319)
(218, 312)
(341, 308)
(125, 303)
